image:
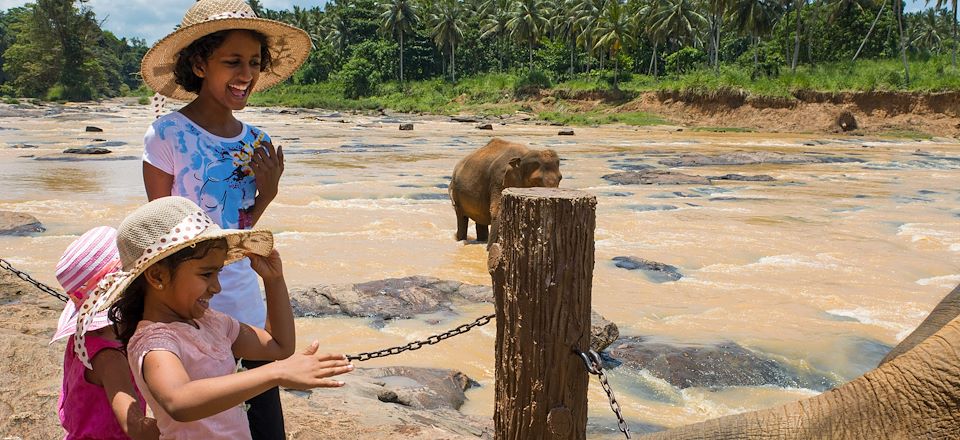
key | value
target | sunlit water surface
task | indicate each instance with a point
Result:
(817, 268)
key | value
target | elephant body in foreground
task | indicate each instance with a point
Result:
(913, 394)
(480, 177)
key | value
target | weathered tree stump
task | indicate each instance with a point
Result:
(542, 271)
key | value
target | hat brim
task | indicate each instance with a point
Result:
(289, 48)
(239, 243)
(67, 324)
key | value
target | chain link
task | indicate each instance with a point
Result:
(594, 366)
(24, 276)
(415, 345)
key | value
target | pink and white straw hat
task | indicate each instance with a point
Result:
(85, 262)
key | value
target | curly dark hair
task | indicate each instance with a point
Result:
(202, 48)
(127, 311)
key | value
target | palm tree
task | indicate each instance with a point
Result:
(925, 33)
(337, 28)
(757, 18)
(716, 10)
(796, 36)
(448, 30)
(614, 33)
(398, 18)
(679, 19)
(527, 23)
(496, 14)
(567, 23)
(953, 3)
(645, 19)
(589, 15)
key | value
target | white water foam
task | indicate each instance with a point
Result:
(944, 281)
(872, 317)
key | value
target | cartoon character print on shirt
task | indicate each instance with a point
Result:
(218, 173)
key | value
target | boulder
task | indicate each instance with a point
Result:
(485, 127)
(656, 272)
(712, 366)
(655, 177)
(565, 132)
(845, 121)
(742, 178)
(92, 129)
(752, 157)
(87, 150)
(18, 223)
(406, 126)
(404, 298)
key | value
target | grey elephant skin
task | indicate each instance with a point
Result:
(480, 177)
(913, 394)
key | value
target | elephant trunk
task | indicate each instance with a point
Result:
(944, 312)
(916, 395)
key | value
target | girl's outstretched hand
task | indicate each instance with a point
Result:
(269, 267)
(267, 165)
(308, 369)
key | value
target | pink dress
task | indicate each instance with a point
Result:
(84, 410)
(205, 352)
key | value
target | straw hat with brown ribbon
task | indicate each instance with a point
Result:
(153, 232)
(289, 45)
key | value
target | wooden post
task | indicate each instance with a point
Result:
(542, 271)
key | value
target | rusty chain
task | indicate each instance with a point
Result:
(415, 345)
(594, 366)
(24, 276)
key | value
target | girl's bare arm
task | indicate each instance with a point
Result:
(279, 339)
(189, 400)
(157, 183)
(110, 368)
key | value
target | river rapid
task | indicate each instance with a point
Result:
(824, 268)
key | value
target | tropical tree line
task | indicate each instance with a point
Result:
(56, 49)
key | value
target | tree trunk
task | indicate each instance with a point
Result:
(869, 31)
(530, 55)
(401, 60)
(542, 273)
(716, 53)
(914, 396)
(453, 63)
(903, 44)
(796, 39)
(955, 42)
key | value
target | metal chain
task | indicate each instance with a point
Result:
(594, 366)
(415, 345)
(24, 276)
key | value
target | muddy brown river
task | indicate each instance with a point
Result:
(824, 268)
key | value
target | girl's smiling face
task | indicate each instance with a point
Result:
(194, 282)
(231, 71)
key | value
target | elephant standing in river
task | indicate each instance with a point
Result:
(913, 394)
(480, 177)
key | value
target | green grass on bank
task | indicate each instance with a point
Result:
(503, 93)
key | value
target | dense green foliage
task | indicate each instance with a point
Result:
(394, 49)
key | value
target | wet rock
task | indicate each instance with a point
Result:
(429, 196)
(742, 178)
(656, 272)
(385, 299)
(655, 177)
(104, 144)
(83, 157)
(565, 132)
(403, 298)
(87, 150)
(92, 129)
(406, 126)
(752, 157)
(631, 166)
(845, 121)
(420, 388)
(23, 146)
(712, 366)
(19, 223)
(602, 332)
(469, 119)
(485, 127)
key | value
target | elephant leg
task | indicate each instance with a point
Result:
(494, 232)
(481, 232)
(462, 221)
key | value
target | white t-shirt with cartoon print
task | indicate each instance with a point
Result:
(214, 172)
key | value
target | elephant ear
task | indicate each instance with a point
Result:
(513, 178)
